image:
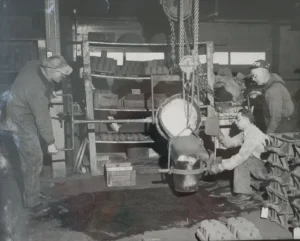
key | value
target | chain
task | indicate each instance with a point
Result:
(181, 30)
(173, 39)
(187, 42)
(190, 25)
(201, 77)
(196, 29)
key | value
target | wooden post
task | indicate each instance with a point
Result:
(89, 108)
(52, 26)
(210, 76)
(53, 46)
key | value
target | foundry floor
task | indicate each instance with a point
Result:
(84, 208)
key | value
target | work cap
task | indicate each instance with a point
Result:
(59, 63)
(260, 64)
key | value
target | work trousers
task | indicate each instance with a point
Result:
(242, 175)
(28, 156)
(13, 218)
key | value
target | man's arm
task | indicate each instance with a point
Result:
(229, 142)
(275, 106)
(38, 104)
(245, 152)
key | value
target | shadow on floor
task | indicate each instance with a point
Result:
(115, 214)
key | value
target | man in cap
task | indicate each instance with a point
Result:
(27, 109)
(279, 109)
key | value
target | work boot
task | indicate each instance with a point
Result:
(234, 196)
(44, 196)
(38, 209)
(240, 198)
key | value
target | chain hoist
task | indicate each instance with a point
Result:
(190, 64)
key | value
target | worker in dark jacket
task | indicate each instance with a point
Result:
(279, 109)
(27, 110)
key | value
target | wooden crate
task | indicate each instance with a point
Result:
(104, 98)
(120, 174)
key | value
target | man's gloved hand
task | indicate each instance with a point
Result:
(217, 160)
(213, 166)
(52, 149)
(214, 169)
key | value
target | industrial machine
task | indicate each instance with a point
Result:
(185, 149)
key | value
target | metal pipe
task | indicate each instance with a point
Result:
(72, 123)
(125, 142)
(137, 44)
(152, 100)
(113, 121)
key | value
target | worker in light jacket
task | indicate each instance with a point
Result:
(247, 161)
(27, 111)
(280, 111)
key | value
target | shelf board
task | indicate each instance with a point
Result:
(125, 142)
(170, 78)
(124, 109)
(120, 77)
(157, 78)
(20, 39)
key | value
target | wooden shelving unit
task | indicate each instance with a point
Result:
(90, 110)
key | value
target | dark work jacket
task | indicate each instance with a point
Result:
(278, 104)
(28, 102)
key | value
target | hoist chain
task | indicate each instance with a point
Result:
(181, 30)
(187, 42)
(196, 27)
(173, 41)
(193, 26)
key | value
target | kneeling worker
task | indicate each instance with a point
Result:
(247, 161)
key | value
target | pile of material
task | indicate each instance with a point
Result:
(284, 188)
(227, 87)
(231, 229)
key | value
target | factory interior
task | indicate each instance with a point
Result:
(88, 150)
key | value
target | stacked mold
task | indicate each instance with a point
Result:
(284, 179)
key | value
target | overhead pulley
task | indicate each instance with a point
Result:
(171, 8)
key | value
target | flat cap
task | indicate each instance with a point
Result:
(59, 63)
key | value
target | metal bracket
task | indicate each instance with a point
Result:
(72, 121)
(173, 170)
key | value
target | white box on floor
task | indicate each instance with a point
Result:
(120, 174)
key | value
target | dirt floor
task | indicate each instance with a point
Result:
(85, 209)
